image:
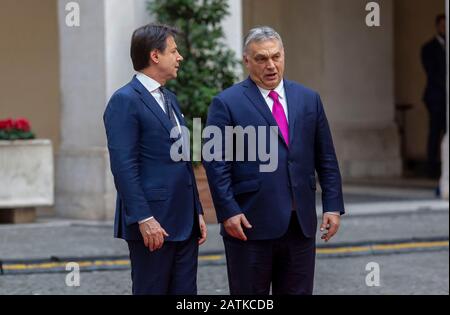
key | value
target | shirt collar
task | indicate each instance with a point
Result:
(440, 40)
(279, 89)
(150, 84)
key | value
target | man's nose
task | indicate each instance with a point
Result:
(270, 64)
(180, 57)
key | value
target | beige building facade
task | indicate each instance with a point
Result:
(61, 77)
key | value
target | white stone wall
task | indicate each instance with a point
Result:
(122, 17)
(232, 26)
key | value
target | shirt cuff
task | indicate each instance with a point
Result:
(145, 220)
(334, 213)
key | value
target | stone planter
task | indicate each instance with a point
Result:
(205, 194)
(27, 179)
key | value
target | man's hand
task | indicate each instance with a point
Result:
(203, 230)
(153, 234)
(233, 226)
(330, 223)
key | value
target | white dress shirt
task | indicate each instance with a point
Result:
(441, 41)
(153, 87)
(281, 97)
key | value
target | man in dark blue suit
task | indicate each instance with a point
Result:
(158, 211)
(435, 96)
(269, 219)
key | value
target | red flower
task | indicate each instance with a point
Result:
(22, 124)
(6, 124)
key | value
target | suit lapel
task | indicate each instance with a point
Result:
(152, 104)
(184, 134)
(254, 95)
(178, 114)
(293, 105)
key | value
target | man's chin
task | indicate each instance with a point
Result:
(271, 84)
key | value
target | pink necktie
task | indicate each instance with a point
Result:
(279, 115)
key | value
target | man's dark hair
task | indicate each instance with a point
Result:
(147, 38)
(439, 18)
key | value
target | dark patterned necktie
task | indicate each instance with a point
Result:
(168, 107)
(170, 112)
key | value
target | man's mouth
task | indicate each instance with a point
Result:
(271, 76)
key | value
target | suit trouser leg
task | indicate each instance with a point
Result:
(437, 128)
(294, 262)
(288, 263)
(150, 271)
(184, 276)
(169, 270)
(249, 266)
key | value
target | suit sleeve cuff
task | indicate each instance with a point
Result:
(224, 213)
(145, 220)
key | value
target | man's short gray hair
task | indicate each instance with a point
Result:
(259, 34)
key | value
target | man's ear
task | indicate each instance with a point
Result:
(154, 56)
(245, 59)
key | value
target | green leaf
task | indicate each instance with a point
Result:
(209, 65)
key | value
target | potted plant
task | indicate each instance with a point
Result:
(15, 129)
(26, 165)
(209, 65)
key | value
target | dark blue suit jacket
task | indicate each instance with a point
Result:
(435, 65)
(267, 199)
(148, 182)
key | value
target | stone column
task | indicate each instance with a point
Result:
(445, 145)
(232, 26)
(358, 88)
(94, 61)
